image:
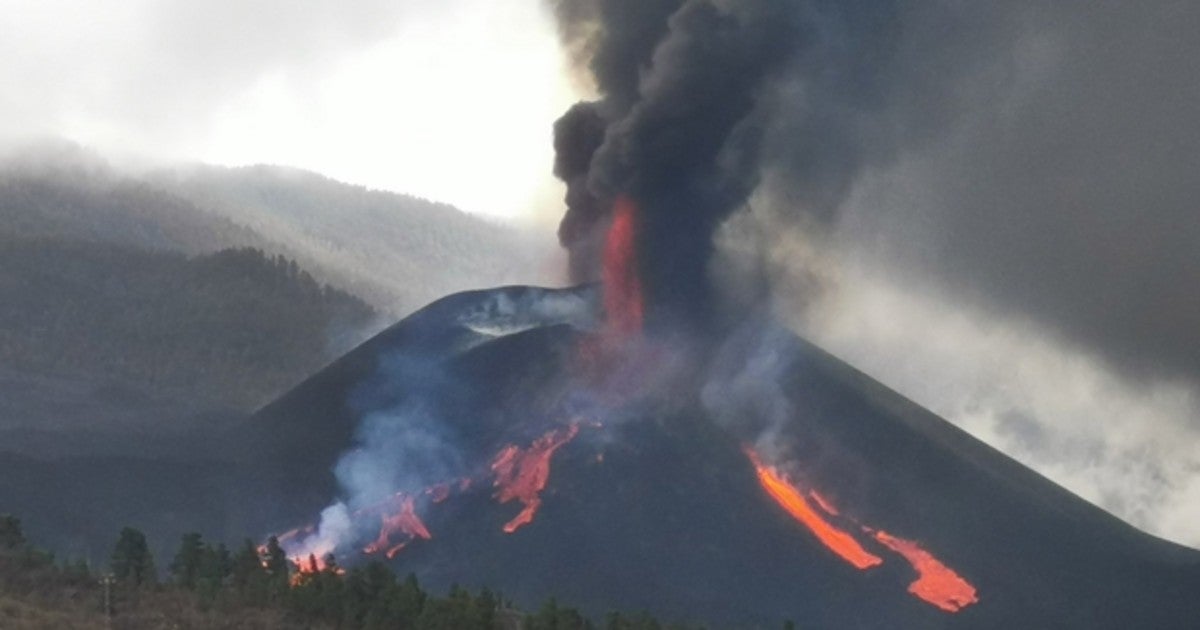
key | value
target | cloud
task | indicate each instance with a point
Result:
(415, 97)
(1068, 194)
(165, 65)
(1129, 447)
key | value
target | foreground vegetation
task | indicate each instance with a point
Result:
(210, 586)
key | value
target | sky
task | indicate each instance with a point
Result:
(450, 100)
(1007, 232)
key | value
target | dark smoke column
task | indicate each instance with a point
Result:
(699, 99)
(682, 140)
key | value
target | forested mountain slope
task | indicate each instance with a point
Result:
(218, 286)
(229, 328)
(398, 252)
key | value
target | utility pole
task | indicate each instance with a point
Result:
(107, 581)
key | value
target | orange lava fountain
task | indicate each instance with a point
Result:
(522, 474)
(623, 304)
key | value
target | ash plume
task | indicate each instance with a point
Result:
(1029, 158)
(702, 101)
(686, 161)
(1026, 165)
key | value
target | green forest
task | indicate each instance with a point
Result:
(216, 287)
(212, 586)
(234, 327)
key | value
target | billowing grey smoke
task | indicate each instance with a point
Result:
(702, 99)
(1033, 162)
(684, 143)
(1068, 195)
(1048, 149)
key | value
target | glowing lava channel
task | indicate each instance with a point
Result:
(936, 583)
(522, 474)
(404, 524)
(793, 501)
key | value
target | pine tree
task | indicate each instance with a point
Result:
(278, 567)
(215, 566)
(248, 575)
(11, 534)
(186, 565)
(131, 558)
(485, 609)
(411, 599)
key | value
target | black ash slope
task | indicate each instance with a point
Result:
(660, 509)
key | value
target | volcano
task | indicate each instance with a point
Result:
(762, 480)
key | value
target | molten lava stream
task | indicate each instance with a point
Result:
(404, 522)
(522, 474)
(936, 583)
(792, 500)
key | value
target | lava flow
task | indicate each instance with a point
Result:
(936, 583)
(521, 474)
(398, 529)
(792, 500)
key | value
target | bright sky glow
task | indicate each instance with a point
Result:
(451, 101)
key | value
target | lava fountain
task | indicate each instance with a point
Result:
(623, 304)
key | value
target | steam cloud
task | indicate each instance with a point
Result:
(402, 445)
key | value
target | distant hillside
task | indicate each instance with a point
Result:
(96, 282)
(60, 191)
(398, 252)
(231, 328)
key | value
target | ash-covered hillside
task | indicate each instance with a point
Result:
(493, 438)
(230, 328)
